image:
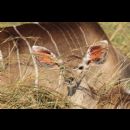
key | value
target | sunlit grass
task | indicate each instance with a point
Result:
(7, 24)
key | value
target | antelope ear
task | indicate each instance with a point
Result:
(45, 56)
(96, 54)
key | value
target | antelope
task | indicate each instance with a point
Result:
(76, 57)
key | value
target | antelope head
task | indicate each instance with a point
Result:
(95, 55)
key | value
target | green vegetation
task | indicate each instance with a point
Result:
(6, 24)
(118, 32)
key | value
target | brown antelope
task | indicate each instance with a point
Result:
(78, 55)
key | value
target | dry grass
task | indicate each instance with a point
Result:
(21, 96)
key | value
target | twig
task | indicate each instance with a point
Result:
(2, 61)
(33, 58)
(18, 59)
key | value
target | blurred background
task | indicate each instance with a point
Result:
(118, 32)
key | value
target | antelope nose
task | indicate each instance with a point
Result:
(71, 91)
(71, 86)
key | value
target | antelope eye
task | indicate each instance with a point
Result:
(69, 80)
(81, 68)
